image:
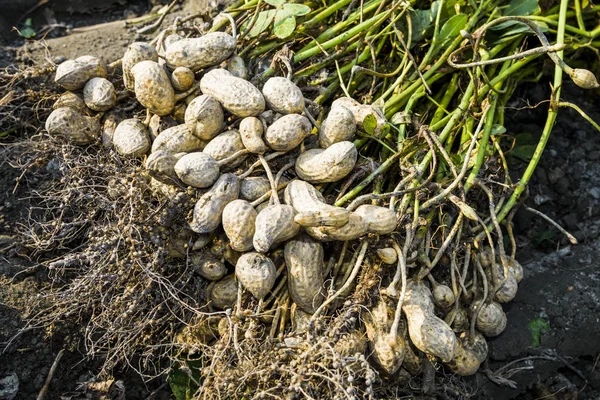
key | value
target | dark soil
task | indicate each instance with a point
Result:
(561, 284)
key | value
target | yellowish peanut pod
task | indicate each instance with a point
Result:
(388, 255)
(209, 208)
(339, 126)
(388, 349)
(251, 131)
(329, 165)
(354, 229)
(207, 266)
(197, 169)
(379, 219)
(223, 293)
(99, 94)
(153, 87)
(274, 224)
(177, 139)
(287, 132)
(360, 112)
(72, 126)
(256, 272)
(311, 207)
(182, 79)
(197, 53)
(73, 74)
(225, 145)
(131, 138)
(283, 96)
(161, 166)
(239, 218)
(237, 67)
(204, 117)
(71, 100)
(236, 95)
(491, 319)
(136, 52)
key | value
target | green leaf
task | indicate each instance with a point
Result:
(275, 3)
(423, 21)
(262, 22)
(296, 9)
(179, 382)
(453, 26)
(508, 29)
(498, 129)
(285, 23)
(370, 124)
(521, 7)
(524, 152)
(537, 327)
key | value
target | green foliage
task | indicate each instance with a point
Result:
(184, 379)
(537, 327)
(283, 18)
(27, 31)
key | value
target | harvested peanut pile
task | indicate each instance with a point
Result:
(280, 221)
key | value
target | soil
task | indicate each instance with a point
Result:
(561, 285)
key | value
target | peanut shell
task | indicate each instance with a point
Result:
(256, 272)
(71, 100)
(380, 220)
(274, 224)
(237, 67)
(287, 132)
(354, 229)
(339, 126)
(131, 138)
(161, 166)
(236, 95)
(329, 165)
(223, 293)
(360, 112)
(99, 94)
(153, 87)
(182, 79)
(225, 145)
(208, 267)
(197, 53)
(109, 124)
(72, 126)
(251, 131)
(73, 74)
(136, 52)
(388, 350)
(254, 187)
(311, 207)
(177, 139)
(209, 208)
(491, 320)
(197, 169)
(239, 218)
(204, 117)
(283, 96)
(304, 262)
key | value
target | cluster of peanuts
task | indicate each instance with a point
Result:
(204, 119)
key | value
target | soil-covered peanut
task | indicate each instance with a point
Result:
(72, 126)
(99, 94)
(208, 267)
(153, 87)
(225, 145)
(197, 169)
(491, 320)
(161, 166)
(71, 100)
(223, 293)
(304, 262)
(239, 218)
(354, 229)
(339, 126)
(136, 52)
(254, 187)
(109, 124)
(204, 117)
(360, 112)
(177, 139)
(237, 67)
(256, 272)
(182, 79)
(197, 53)
(209, 208)
(388, 255)
(330, 216)
(73, 74)
(311, 207)
(283, 96)
(237, 95)
(427, 332)
(274, 224)
(509, 285)
(287, 132)
(131, 138)
(379, 219)
(387, 349)
(329, 165)
(516, 268)
(466, 360)
(159, 124)
(251, 131)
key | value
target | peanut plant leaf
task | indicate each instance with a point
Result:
(262, 22)
(296, 9)
(284, 25)
(521, 7)
(452, 27)
(275, 3)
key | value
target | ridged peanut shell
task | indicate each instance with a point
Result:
(388, 255)
(109, 124)
(161, 166)
(71, 100)
(153, 87)
(237, 67)
(360, 112)
(223, 293)
(329, 165)
(427, 332)
(508, 290)
(311, 207)
(197, 53)
(491, 320)
(135, 53)
(287, 132)
(466, 359)
(256, 272)
(177, 139)
(99, 94)
(283, 96)
(182, 79)
(304, 262)
(254, 187)
(516, 268)
(209, 208)
(274, 224)
(443, 296)
(225, 145)
(354, 229)
(239, 218)
(379, 219)
(204, 117)
(339, 126)
(131, 138)
(236, 95)
(159, 124)
(72, 126)
(386, 350)
(208, 267)
(197, 169)
(251, 132)
(73, 74)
